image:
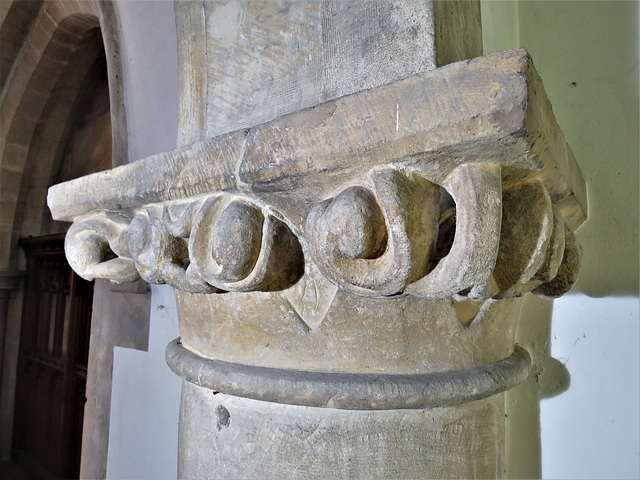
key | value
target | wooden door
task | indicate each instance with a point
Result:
(52, 362)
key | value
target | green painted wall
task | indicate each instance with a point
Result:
(587, 55)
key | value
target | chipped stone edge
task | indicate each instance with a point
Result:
(509, 102)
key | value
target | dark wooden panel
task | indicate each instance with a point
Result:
(52, 364)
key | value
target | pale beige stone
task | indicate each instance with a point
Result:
(248, 438)
(488, 258)
(346, 275)
(403, 216)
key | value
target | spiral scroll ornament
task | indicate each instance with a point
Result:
(160, 256)
(234, 246)
(96, 247)
(375, 240)
(205, 245)
(500, 236)
(382, 238)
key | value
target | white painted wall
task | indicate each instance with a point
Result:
(592, 429)
(145, 401)
(150, 63)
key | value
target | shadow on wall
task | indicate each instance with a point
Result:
(593, 86)
(592, 82)
(549, 378)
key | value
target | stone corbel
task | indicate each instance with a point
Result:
(212, 217)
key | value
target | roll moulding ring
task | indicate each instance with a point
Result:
(350, 391)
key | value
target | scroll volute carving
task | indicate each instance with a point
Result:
(235, 246)
(96, 247)
(374, 240)
(509, 239)
(202, 245)
(468, 267)
(160, 248)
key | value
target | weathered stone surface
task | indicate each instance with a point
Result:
(401, 231)
(351, 391)
(567, 271)
(240, 438)
(458, 30)
(487, 109)
(96, 247)
(485, 144)
(271, 58)
(527, 226)
(476, 190)
(235, 247)
(359, 255)
(399, 335)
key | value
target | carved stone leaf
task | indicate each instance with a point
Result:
(310, 298)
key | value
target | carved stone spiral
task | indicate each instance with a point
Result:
(476, 189)
(160, 256)
(205, 245)
(509, 239)
(96, 247)
(234, 246)
(375, 240)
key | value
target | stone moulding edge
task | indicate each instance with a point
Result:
(350, 391)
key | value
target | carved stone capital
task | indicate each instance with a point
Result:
(359, 262)
(389, 191)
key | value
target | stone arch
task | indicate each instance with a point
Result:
(48, 47)
(52, 47)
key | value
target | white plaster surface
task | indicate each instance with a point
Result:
(143, 432)
(145, 402)
(592, 430)
(150, 64)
